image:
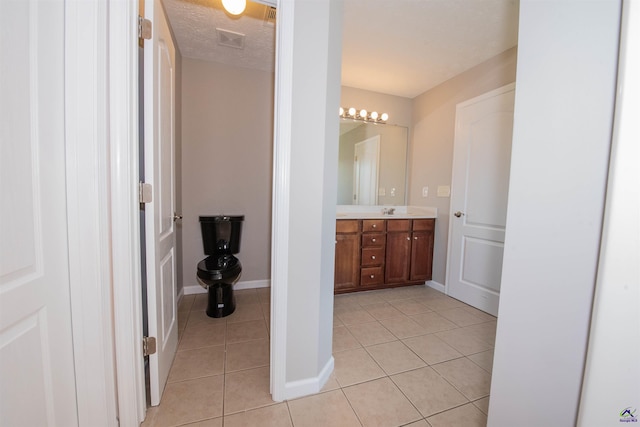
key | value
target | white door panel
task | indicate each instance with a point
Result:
(488, 169)
(480, 258)
(480, 184)
(37, 380)
(366, 162)
(159, 118)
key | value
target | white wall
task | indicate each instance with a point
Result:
(612, 374)
(565, 86)
(305, 180)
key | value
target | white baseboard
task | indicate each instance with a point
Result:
(249, 284)
(435, 285)
(300, 388)
(180, 295)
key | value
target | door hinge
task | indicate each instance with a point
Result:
(144, 28)
(148, 346)
(145, 193)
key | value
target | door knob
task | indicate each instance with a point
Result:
(176, 217)
(458, 214)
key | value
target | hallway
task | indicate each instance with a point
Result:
(405, 356)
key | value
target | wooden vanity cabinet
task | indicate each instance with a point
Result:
(379, 253)
(398, 251)
(373, 256)
(422, 238)
(347, 260)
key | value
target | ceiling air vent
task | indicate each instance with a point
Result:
(230, 38)
(269, 16)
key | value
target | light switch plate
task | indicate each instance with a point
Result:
(444, 191)
(425, 191)
(382, 191)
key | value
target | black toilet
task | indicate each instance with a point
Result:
(220, 270)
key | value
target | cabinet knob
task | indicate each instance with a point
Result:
(415, 237)
(336, 242)
(373, 240)
(408, 238)
(373, 226)
(373, 276)
(373, 257)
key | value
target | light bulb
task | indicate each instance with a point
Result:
(384, 117)
(363, 113)
(341, 111)
(374, 115)
(352, 112)
(234, 7)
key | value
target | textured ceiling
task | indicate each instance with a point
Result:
(397, 47)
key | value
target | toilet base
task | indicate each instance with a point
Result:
(222, 302)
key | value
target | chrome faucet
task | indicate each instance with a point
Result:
(388, 211)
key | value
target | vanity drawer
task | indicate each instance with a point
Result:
(372, 256)
(347, 226)
(371, 276)
(398, 225)
(373, 239)
(423, 224)
(372, 225)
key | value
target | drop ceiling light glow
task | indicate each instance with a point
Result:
(234, 7)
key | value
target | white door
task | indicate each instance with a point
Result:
(480, 183)
(159, 146)
(37, 381)
(366, 159)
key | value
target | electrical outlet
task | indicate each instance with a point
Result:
(425, 191)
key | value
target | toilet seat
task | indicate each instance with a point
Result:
(222, 267)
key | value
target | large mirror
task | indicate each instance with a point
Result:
(372, 163)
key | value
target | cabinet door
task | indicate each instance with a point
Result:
(421, 255)
(347, 268)
(397, 258)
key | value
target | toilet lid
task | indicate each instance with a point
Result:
(219, 267)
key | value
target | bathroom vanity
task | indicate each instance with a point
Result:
(375, 250)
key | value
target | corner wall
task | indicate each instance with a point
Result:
(432, 135)
(565, 93)
(227, 132)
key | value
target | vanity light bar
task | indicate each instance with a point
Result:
(364, 115)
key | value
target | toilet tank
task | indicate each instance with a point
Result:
(221, 233)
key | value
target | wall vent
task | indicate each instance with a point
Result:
(269, 16)
(230, 38)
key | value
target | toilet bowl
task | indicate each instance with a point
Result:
(220, 270)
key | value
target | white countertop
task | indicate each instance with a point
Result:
(376, 212)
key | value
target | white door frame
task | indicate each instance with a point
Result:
(125, 228)
(101, 139)
(100, 101)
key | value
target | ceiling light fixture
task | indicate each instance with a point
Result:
(353, 113)
(234, 7)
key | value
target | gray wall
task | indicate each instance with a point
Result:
(306, 193)
(431, 147)
(227, 133)
(565, 95)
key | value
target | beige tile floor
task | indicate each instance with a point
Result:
(408, 356)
